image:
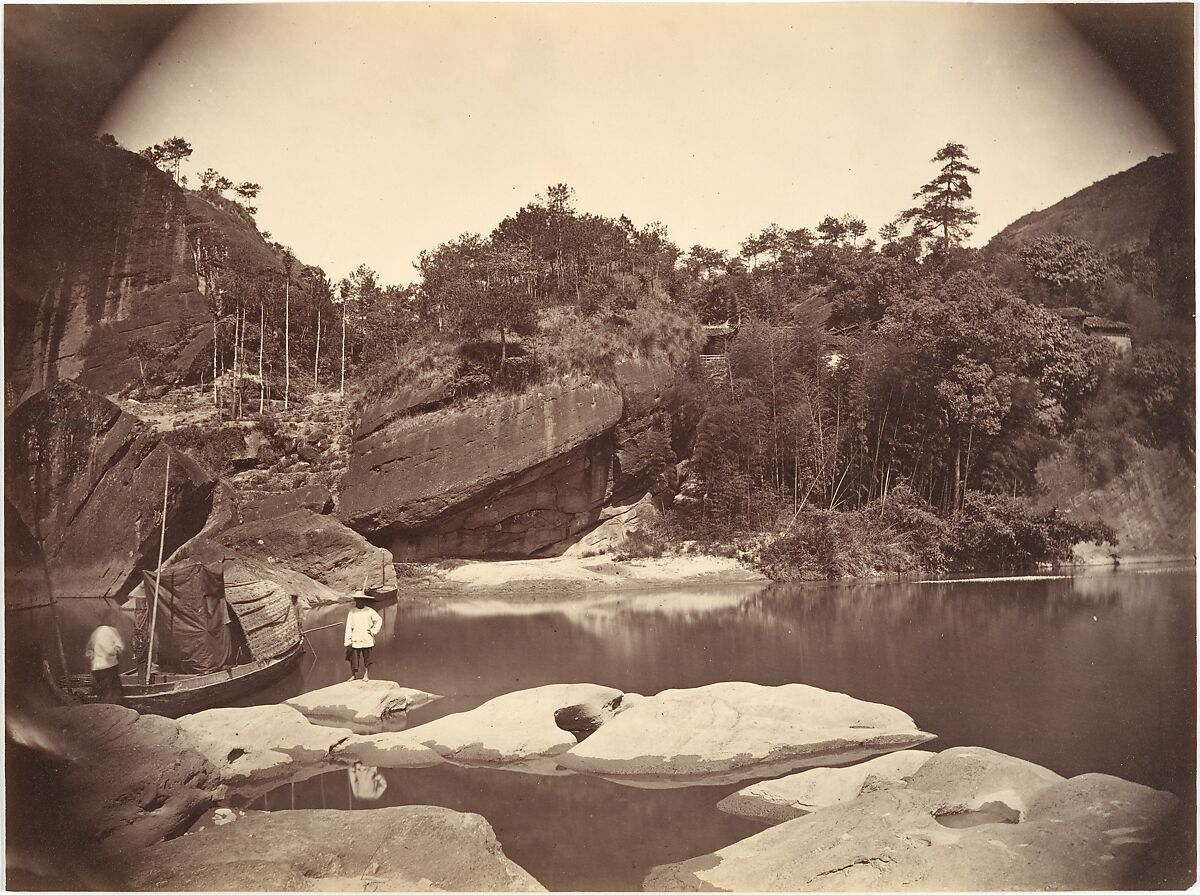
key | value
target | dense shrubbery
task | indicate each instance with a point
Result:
(902, 534)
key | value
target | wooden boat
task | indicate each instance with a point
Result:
(174, 695)
(382, 595)
(221, 632)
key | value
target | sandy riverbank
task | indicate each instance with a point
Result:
(531, 577)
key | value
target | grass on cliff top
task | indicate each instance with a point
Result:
(566, 344)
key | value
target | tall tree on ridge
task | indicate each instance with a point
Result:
(944, 213)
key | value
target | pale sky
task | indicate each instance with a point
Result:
(380, 130)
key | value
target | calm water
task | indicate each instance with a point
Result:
(1092, 673)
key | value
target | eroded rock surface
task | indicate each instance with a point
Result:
(135, 779)
(358, 704)
(513, 729)
(414, 848)
(317, 546)
(798, 794)
(386, 750)
(257, 747)
(508, 475)
(729, 731)
(1089, 832)
(86, 480)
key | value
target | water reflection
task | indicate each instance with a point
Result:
(1091, 673)
(366, 783)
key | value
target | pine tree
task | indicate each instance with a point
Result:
(944, 214)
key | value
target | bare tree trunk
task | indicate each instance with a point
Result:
(343, 385)
(287, 358)
(262, 383)
(216, 397)
(317, 353)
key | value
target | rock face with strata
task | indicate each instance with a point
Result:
(318, 547)
(413, 848)
(358, 704)
(106, 255)
(1090, 832)
(728, 731)
(135, 779)
(505, 476)
(795, 795)
(86, 481)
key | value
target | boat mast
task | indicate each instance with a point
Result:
(162, 540)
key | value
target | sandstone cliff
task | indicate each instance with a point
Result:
(104, 254)
(510, 475)
(85, 484)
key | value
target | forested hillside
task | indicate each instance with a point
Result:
(869, 403)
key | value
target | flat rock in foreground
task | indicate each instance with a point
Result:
(730, 731)
(358, 704)
(260, 746)
(1089, 832)
(516, 728)
(414, 848)
(798, 794)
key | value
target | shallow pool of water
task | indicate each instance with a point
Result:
(1089, 673)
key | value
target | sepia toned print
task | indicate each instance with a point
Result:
(599, 447)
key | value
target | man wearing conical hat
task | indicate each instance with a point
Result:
(362, 624)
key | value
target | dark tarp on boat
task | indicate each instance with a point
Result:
(191, 630)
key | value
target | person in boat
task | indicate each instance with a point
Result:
(362, 624)
(103, 654)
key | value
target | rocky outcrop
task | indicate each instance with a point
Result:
(359, 704)
(316, 546)
(86, 480)
(1089, 832)
(256, 748)
(729, 731)
(515, 730)
(257, 505)
(134, 779)
(798, 794)
(507, 475)
(616, 524)
(105, 256)
(414, 848)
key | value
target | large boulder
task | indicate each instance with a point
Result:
(516, 729)
(798, 794)
(616, 524)
(413, 848)
(134, 779)
(1089, 832)
(509, 475)
(317, 546)
(729, 731)
(256, 505)
(260, 746)
(86, 481)
(358, 704)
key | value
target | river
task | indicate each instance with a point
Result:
(1091, 673)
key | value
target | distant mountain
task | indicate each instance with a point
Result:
(1121, 212)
